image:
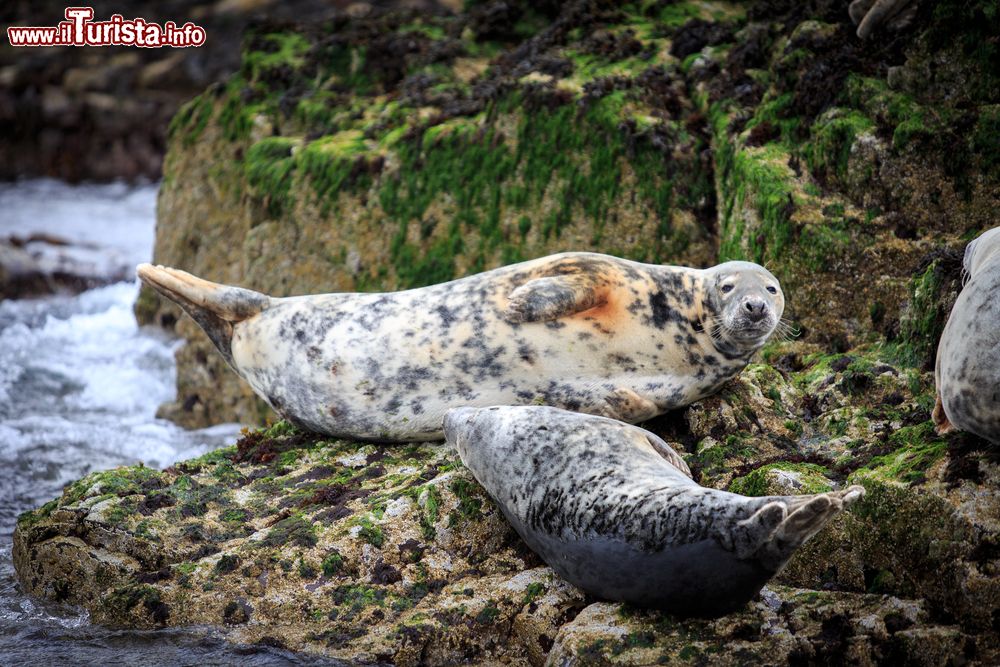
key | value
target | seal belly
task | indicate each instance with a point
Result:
(699, 579)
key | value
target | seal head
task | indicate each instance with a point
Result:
(613, 509)
(746, 303)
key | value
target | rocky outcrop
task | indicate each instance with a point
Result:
(44, 264)
(394, 150)
(672, 133)
(394, 554)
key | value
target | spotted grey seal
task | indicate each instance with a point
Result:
(582, 331)
(612, 508)
(967, 372)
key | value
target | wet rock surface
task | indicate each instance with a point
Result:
(41, 264)
(435, 146)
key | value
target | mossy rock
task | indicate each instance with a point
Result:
(786, 625)
(783, 479)
(684, 133)
(395, 554)
(328, 546)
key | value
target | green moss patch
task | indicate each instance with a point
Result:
(296, 529)
(268, 168)
(832, 137)
(917, 449)
(812, 477)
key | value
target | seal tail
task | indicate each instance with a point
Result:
(216, 308)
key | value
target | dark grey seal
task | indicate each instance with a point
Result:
(612, 508)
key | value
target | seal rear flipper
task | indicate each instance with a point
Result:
(806, 516)
(216, 308)
(552, 297)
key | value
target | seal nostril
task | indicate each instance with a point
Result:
(755, 309)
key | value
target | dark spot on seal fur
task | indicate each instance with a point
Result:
(662, 313)
(526, 353)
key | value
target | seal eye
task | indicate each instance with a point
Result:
(726, 289)
(772, 289)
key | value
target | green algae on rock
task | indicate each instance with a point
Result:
(328, 550)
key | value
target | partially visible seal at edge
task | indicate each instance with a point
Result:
(967, 371)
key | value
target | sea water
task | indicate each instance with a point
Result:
(80, 383)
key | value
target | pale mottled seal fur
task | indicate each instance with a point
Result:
(581, 331)
(968, 356)
(613, 509)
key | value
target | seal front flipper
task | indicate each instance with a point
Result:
(625, 405)
(552, 297)
(781, 533)
(644, 437)
(216, 308)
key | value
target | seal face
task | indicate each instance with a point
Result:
(613, 510)
(581, 331)
(967, 371)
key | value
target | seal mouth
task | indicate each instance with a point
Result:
(749, 331)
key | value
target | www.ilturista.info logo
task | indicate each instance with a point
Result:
(79, 30)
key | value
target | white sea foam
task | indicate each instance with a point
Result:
(80, 382)
(118, 219)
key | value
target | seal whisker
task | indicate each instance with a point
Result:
(714, 326)
(785, 330)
